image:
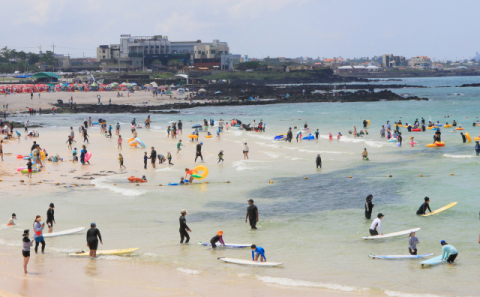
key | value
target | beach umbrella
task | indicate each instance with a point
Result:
(133, 83)
(202, 91)
(218, 92)
(148, 85)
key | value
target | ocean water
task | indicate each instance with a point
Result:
(311, 220)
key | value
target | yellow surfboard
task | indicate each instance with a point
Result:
(105, 252)
(441, 209)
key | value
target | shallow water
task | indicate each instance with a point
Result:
(313, 225)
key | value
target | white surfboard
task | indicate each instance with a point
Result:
(228, 245)
(249, 262)
(65, 232)
(394, 234)
(432, 261)
(400, 256)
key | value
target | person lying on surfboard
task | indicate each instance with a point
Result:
(257, 252)
(423, 209)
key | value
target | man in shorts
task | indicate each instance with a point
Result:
(153, 156)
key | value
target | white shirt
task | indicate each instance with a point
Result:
(246, 148)
(376, 223)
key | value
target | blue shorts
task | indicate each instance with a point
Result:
(39, 239)
(259, 255)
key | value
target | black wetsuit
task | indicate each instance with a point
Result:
(319, 162)
(199, 152)
(464, 138)
(92, 239)
(50, 217)
(180, 125)
(368, 209)
(214, 240)
(183, 229)
(423, 209)
(289, 136)
(153, 156)
(86, 124)
(252, 215)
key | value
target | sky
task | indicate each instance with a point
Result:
(258, 28)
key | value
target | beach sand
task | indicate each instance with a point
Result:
(22, 102)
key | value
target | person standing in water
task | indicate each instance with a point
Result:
(93, 235)
(245, 151)
(317, 133)
(369, 207)
(38, 236)
(319, 161)
(199, 151)
(412, 243)
(179, 146)
(120, 160)
(449, 252)
(252, 214)
(183, 227)
(289, 135)
(477, 148)
(217, 238)
(11, 221)
(27, 244)
(120, 140)
(365, 154)
(220, 157)
(423, 208)
(377, 223)
(51, 217)
(153, 156)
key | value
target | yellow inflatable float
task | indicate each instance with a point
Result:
(468, 137)
(202, 175)
(192, 136)
(208, 136)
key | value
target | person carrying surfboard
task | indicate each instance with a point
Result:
(217, 238)
(257, 252)
(376, 223)
(449, 252)
(423, 208)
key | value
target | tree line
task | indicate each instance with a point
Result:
(12, 60)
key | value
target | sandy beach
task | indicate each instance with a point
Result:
(22, 102)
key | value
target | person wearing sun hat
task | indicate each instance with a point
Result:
(38, 236)
(217, 238)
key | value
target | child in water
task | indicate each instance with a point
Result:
(74, 154)
(220, 157)
(120, 159)
(182, 181)
(169, 157)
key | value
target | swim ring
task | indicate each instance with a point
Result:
(392, 140)
(208, 136)
(429, 128)
(131, 140)
(431, 145)
(201, 176)
(438, 125)
(26, 171)
(136, 179)
(368, 123)
(133, 143)
(447, 126)
(439, 143)
(458, 128)
(417, 130)
(406, 126)
(42, 155)
(88, 155)
(191, 136)
(476, 138)
(468, 136)
(413, 143)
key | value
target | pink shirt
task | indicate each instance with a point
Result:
(120, 140)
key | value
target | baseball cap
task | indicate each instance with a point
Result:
(51, 205)
(25, 232)
(443, 242)
(380, 215)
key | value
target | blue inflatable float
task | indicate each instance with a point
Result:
(309, 137)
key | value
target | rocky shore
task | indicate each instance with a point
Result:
(294, 97)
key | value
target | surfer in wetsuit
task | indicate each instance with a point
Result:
(92, 240)
(257, 252)
(376, 223)
(252, 214)
(183, 227)
(217, 238)
(289, 135)
(369, 206)
(423, 208)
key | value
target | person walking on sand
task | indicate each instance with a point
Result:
(27, 244)
(51, 217)
(85, 136)
(120, 160)
(252, 214)
(93, 235)
(183, 227)
(69, 141)
(38, 233)
(199, 152)
(245, 151)
(120, 140)
(179, 146)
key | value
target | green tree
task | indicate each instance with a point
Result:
(175, 63)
